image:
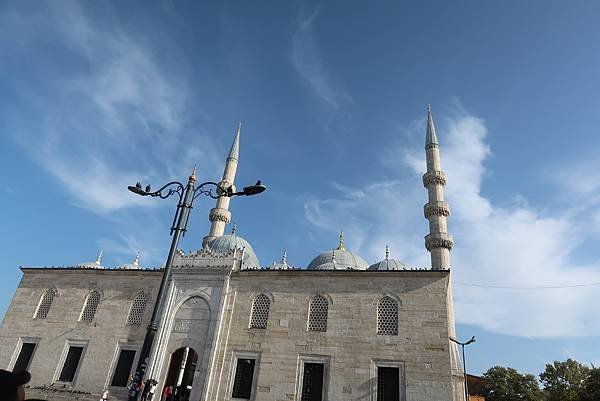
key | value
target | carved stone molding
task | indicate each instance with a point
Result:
(436, 209)
(434, 177)
(217, 214)
(187, 325)
(438, 240)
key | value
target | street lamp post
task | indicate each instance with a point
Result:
(187, 194)
(472, 340)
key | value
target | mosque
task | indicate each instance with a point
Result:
(233, 329)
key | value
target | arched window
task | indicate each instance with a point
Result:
(317, 313)
(45, 304)
(260, 312)
(138, 307)
(89, 309)
(387, 317)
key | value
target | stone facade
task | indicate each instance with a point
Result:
(102, 338)
(208, 310)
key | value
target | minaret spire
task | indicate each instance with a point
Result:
(438, 242)
(220, 215)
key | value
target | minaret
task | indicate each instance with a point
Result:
(438, 242)
(220, 215)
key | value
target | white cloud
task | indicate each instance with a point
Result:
(519, 245)
(306, 60)
(112, 115)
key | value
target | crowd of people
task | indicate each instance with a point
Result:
(12, 388)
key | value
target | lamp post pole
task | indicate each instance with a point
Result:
(187, 195)
(472, 340)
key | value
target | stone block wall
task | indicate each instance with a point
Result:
(102, 336)
(350, 347)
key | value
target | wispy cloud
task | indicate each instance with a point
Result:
(306, 59)
(519, 245)
(115, 114)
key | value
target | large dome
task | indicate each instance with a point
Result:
(227, 243)
(338, 259)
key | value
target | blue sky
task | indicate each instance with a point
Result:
(332, 97)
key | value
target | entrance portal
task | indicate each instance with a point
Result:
(181, 372)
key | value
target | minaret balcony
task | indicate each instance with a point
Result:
(438, 240)
(436, 208)
(434, 177)
(218, 214)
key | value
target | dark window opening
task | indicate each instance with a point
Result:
(124, 364)
(388, 384)
(67, 373)
(24, 357)
(312, 382)
(244, 374)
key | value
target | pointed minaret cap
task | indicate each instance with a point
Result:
(192, 177)
(234, 152)
(431, 137)
(341, 246)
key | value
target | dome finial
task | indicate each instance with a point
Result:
(136, 261)
(99, 260)
(234, 228)
(333, 257)
(387, 252)
(341, 246)
(284, 257)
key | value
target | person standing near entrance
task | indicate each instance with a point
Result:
(151, 391)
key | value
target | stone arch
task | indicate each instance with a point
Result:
(378, 297)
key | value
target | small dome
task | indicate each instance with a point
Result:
(135, 265)
(389, 264)
(338, 259)
(227, 243)
(92, 265)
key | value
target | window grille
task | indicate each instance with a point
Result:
(317, 314)
(138, 307)
(312, 382)
(45, 304)
(388, 384)
(387, 317)
(244, 375)
(91, 304)
(260, 312)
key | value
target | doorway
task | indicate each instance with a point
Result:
(181, 373)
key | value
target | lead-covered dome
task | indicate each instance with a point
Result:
(338, 259)
(227, 243)
(389, 264)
